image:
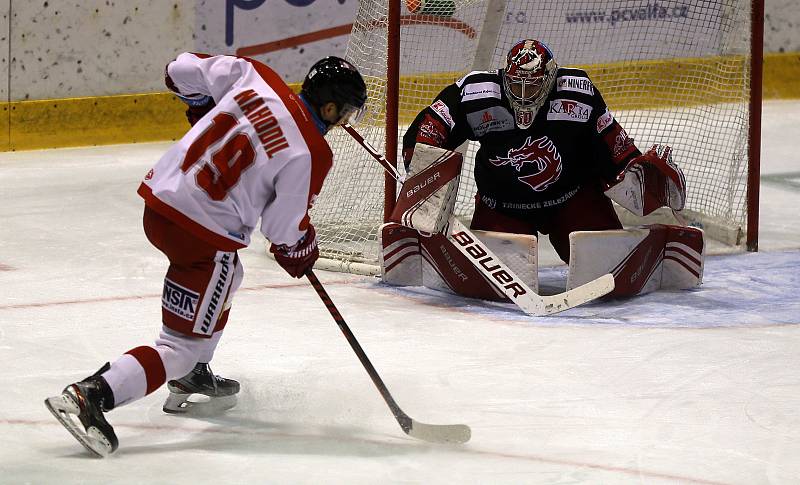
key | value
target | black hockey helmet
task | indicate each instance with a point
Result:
(333, 79)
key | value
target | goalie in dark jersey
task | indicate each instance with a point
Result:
(549, 148)
(552, 156)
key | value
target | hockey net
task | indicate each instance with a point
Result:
(672, 72)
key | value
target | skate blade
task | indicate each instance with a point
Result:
(62, 407)
(198, 405)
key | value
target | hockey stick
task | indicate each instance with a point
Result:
(375, 153)
(435, 433)
(512, 285)
(495, 270)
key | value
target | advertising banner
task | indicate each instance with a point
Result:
(607, 30)
(287, 35)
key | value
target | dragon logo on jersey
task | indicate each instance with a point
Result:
(542, 153)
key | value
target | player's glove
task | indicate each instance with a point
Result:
(650, 181)
(300, 258)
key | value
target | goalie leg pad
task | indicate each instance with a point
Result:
(642, 259)
(413, 259)
(401, 260)
(684, 256)
(446, 268)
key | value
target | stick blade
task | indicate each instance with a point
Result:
(440, 433)
(578, 296)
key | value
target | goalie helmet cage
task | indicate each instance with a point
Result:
(687, 74)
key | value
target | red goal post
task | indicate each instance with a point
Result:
(687, 74)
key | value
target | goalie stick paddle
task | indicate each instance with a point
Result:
(434, 433)
(494, 269)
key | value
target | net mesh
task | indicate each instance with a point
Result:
(672, 72)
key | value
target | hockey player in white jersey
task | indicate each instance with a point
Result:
(256, 151)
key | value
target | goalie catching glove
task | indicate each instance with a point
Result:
(648, 182)
(300, 258)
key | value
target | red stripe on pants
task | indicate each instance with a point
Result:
(154, 371)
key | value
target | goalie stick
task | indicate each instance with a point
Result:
(494, 269)
(434, 433)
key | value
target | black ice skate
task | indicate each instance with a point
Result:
(220, 393)
(88, 400)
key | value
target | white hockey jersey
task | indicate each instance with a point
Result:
(258, 153)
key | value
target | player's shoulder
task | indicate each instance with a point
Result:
(574, 80)
(478, 77)
(478, 87)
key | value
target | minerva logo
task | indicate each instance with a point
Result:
(542, 154)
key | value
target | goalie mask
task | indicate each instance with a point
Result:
(528, 77)
(334, 80)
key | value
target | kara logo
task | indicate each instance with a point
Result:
(604, 120)
(179, 300)
(487, 117)
(575, 83)
(443, 111)
(543, 154)
(568, 110)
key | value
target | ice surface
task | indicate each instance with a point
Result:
(674, 387)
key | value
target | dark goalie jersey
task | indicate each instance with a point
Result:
(574, 139)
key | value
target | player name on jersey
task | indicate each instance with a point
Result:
(266, 125)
